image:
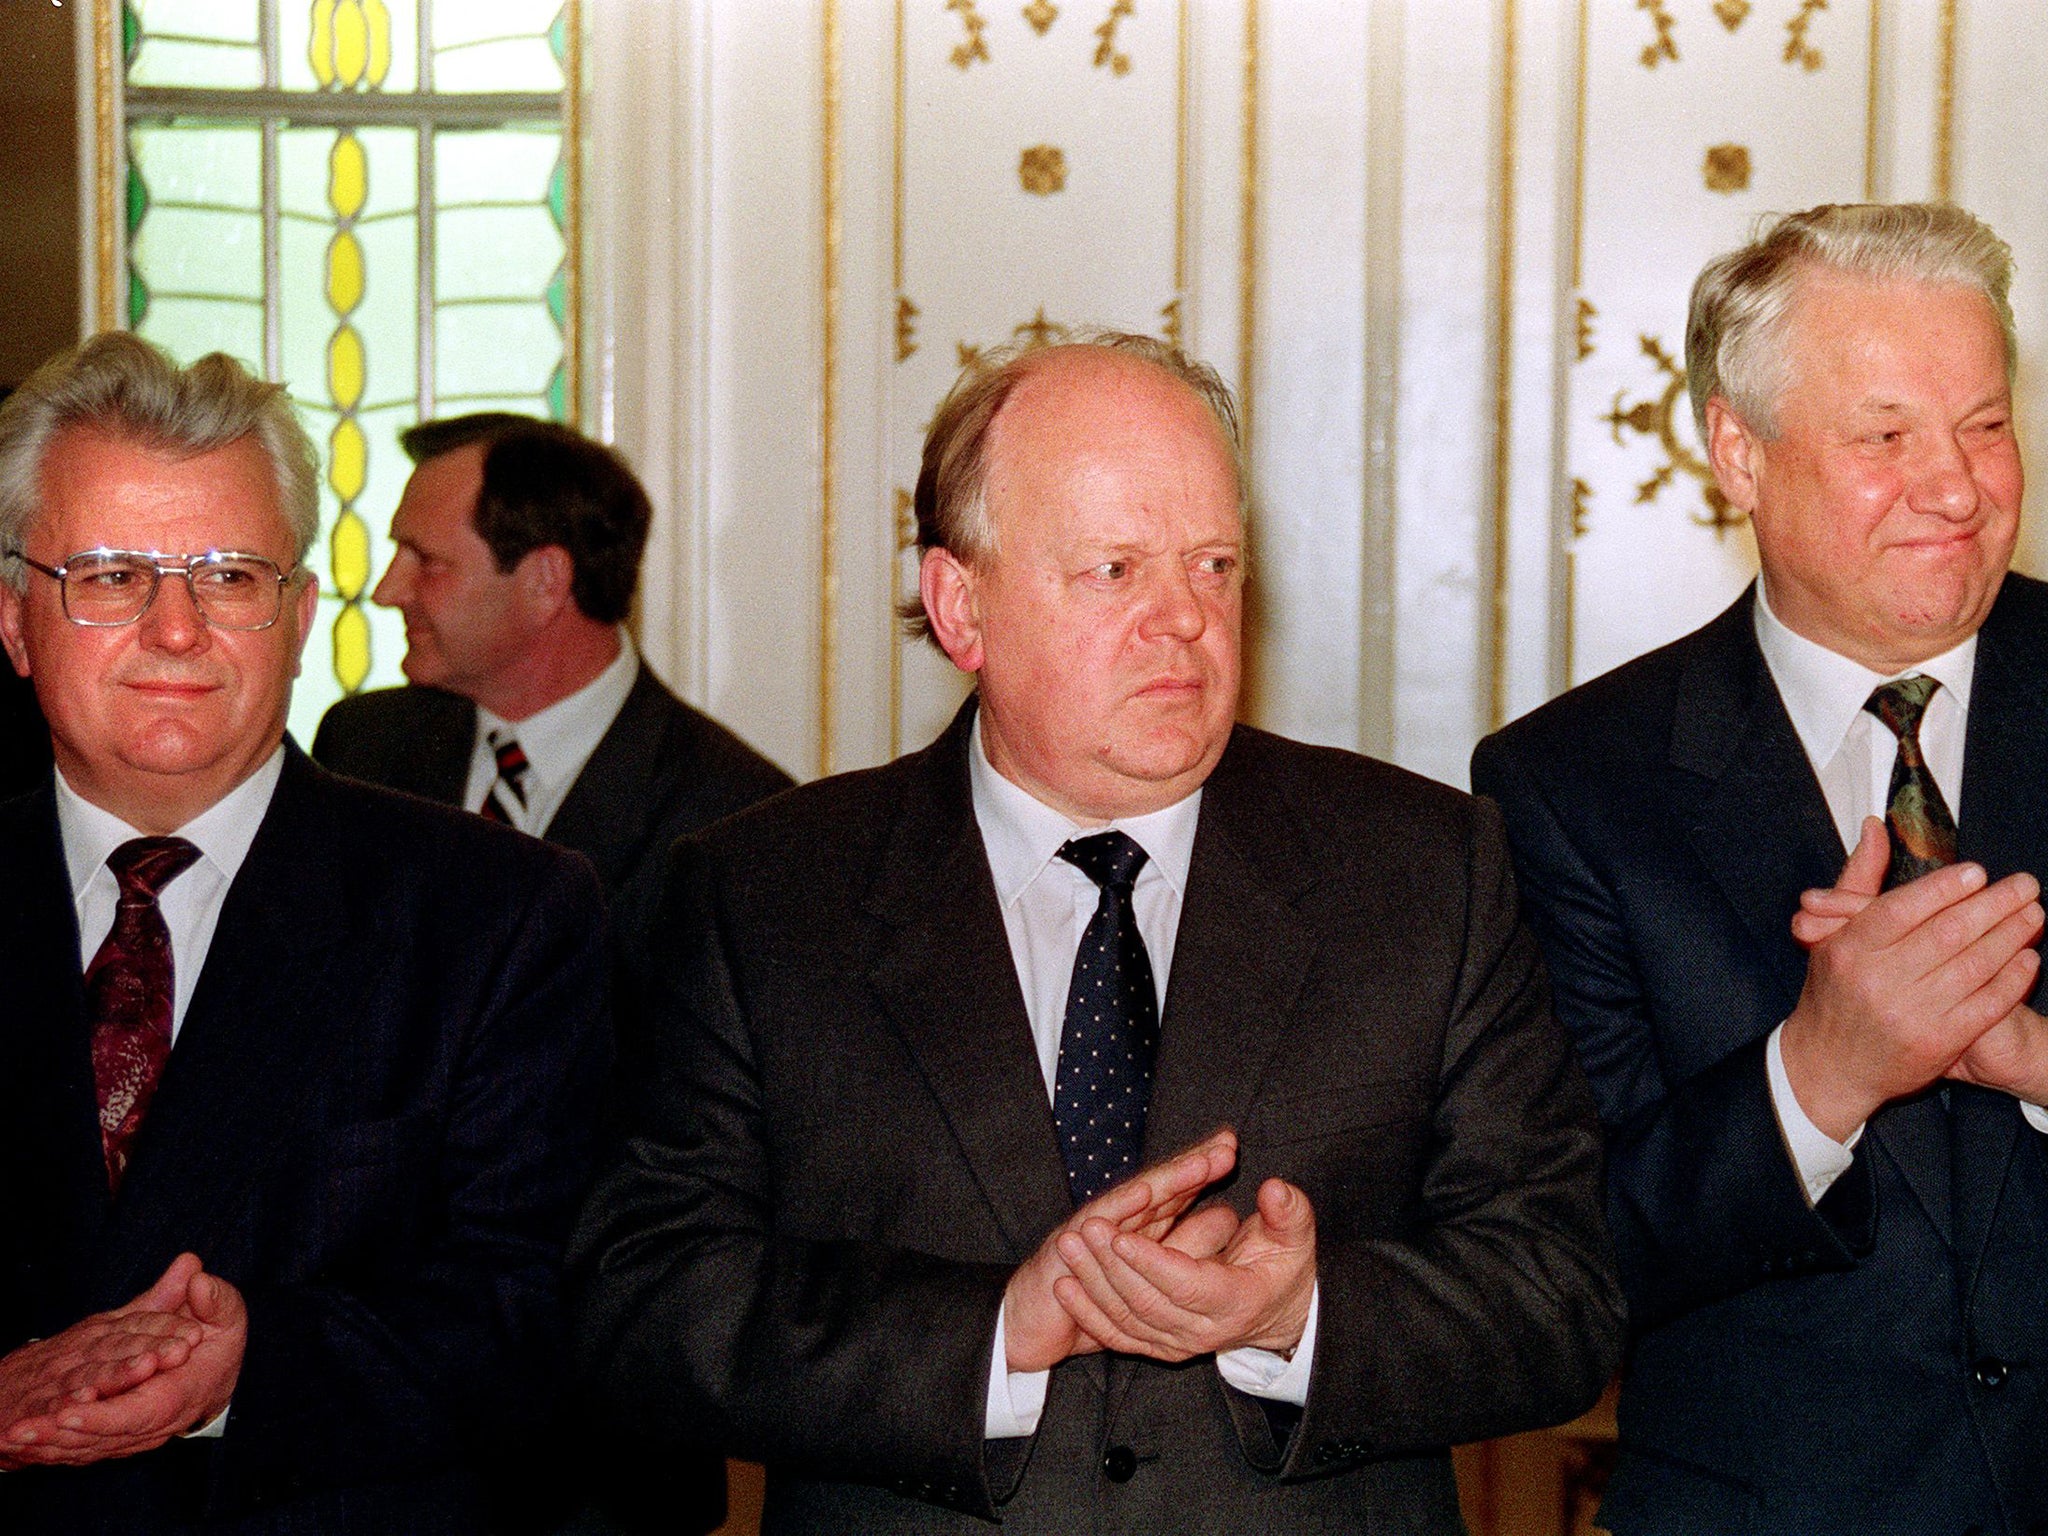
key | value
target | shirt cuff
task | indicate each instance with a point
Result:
(1818, 1157)
(1277, 1378)
(212, 1429)
(1015, 1398)
(2037, 1117)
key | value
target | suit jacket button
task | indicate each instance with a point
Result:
(1121, 1464)
(1990, 1372)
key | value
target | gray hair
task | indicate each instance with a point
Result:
(951, 501)
(1735, 332)
(119, 385)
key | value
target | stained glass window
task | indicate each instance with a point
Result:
(368, 200)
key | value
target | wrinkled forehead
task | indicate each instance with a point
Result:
(100, 488)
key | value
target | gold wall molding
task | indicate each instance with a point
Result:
(975, 46)
(1587, 315)
(1503, 375)
(1797, 49)
(906, 328)
(106, 104)
(1664, 45)
(1726, 168)
(1658, 418)
(828, 456)
(1945, 106)
(1042, 170)
(1107, 55)
(1248, 242)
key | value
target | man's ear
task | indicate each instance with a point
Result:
(1736, 454)
(947, 584)
(11, 628)
(547, 577)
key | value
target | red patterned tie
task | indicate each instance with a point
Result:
(128, 993)
(512, 766)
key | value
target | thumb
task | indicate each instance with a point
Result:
(169, 1292)
(215, 1302)
(1864, 873)
(1286, 1212)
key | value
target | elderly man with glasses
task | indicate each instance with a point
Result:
(296, 1075)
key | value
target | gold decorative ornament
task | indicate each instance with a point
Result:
(1041, 14)
(1727, 168)
(1582, 494)
(1106, 55)
(1587, 315)
(1797, 49)
(1043, 170)
(906, 520)
(350, 44)
(1665, 46)
(1169, 321)
(1658, 418)
(974, 47)
(906, 328)
(1732, 13)
(1038, 330)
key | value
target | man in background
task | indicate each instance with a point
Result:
(297, 1076)
(1827, 1176)
(949, 1049)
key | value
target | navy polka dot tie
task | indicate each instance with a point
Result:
(1111, 1034)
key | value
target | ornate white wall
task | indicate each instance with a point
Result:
(1442, 248)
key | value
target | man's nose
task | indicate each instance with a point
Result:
(1175, 608)
(173, 622)
(1942, 484)
(393, 589)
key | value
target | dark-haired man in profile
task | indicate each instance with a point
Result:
(519, 547)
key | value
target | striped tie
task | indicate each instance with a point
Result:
(510, 788)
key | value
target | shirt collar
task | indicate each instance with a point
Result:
(1023, 834)
(558, 740)
(222, 832)
(1824, 691)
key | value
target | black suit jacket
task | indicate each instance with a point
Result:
(1879, 1364)
(848, 1149)
(376, 1122)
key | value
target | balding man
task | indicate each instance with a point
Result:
(1109, 1118)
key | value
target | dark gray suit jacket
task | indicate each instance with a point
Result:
(847, 1148)
(376, 1122)
(1879, 1364)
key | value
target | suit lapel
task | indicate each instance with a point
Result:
(251, 1036)
(609, 810)
(1238, 960)
(945, 978)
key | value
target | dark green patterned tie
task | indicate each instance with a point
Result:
(1923, 833)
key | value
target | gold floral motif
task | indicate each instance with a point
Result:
(1587, 315)
(1037, 331)
(1731, 12)
(1043, 170)
(906, 520)
(1665, 47)
(1658, 418)
(1797, 49)
(1041, 14)
(1169, 321)
(906, 327)
(1582, 496)
(1727, 168)
(1106, 55)
(975, 47)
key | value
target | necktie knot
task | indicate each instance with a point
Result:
(1110, 859)
(1900, 704)
(143, 866)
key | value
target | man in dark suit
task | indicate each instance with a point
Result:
(950, 1048)
(297, 1076)
(1828, 1180)
(519, 547)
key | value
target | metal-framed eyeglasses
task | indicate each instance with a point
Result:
(107, 588)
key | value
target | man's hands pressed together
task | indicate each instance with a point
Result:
(122, 1382)
(1132, 1271)
(1906, 986)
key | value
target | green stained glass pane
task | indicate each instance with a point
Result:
(558, 296)
(558, 194)
(558, 394)
(491, 350)
(131, 33)
(138, 198)
(295, 37)
(495, 45)
(234, 21)
(189, 328)
(558, 35)
(493, 253)
(138, 300)
(216, 165)
(193, 43)
(498, 165)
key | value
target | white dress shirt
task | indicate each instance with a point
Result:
(1047, 904)
(557, 742)
(1852, 753)
(190, 902)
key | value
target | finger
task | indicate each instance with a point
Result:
(1204, 1234)
(1901, 911)
(1809, 930)
(1289, 1216)
(1130, 1301)
(1092, 1322)
(1864, 873)
(217, 1303)
(1951, 931)
(1983, 1007)
(1834, 902)
(168, 1293)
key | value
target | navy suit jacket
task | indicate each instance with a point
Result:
(377, 1122)
(847, 1148)
(1880, 1363)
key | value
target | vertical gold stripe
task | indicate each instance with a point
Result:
(572, 210)
(1248, 257)
(1579, 159)
(828, 579)
(895, 549)
(1503, 335)
(1870, 112)
(1945, 107)
(107, 160)
(1180, 167)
